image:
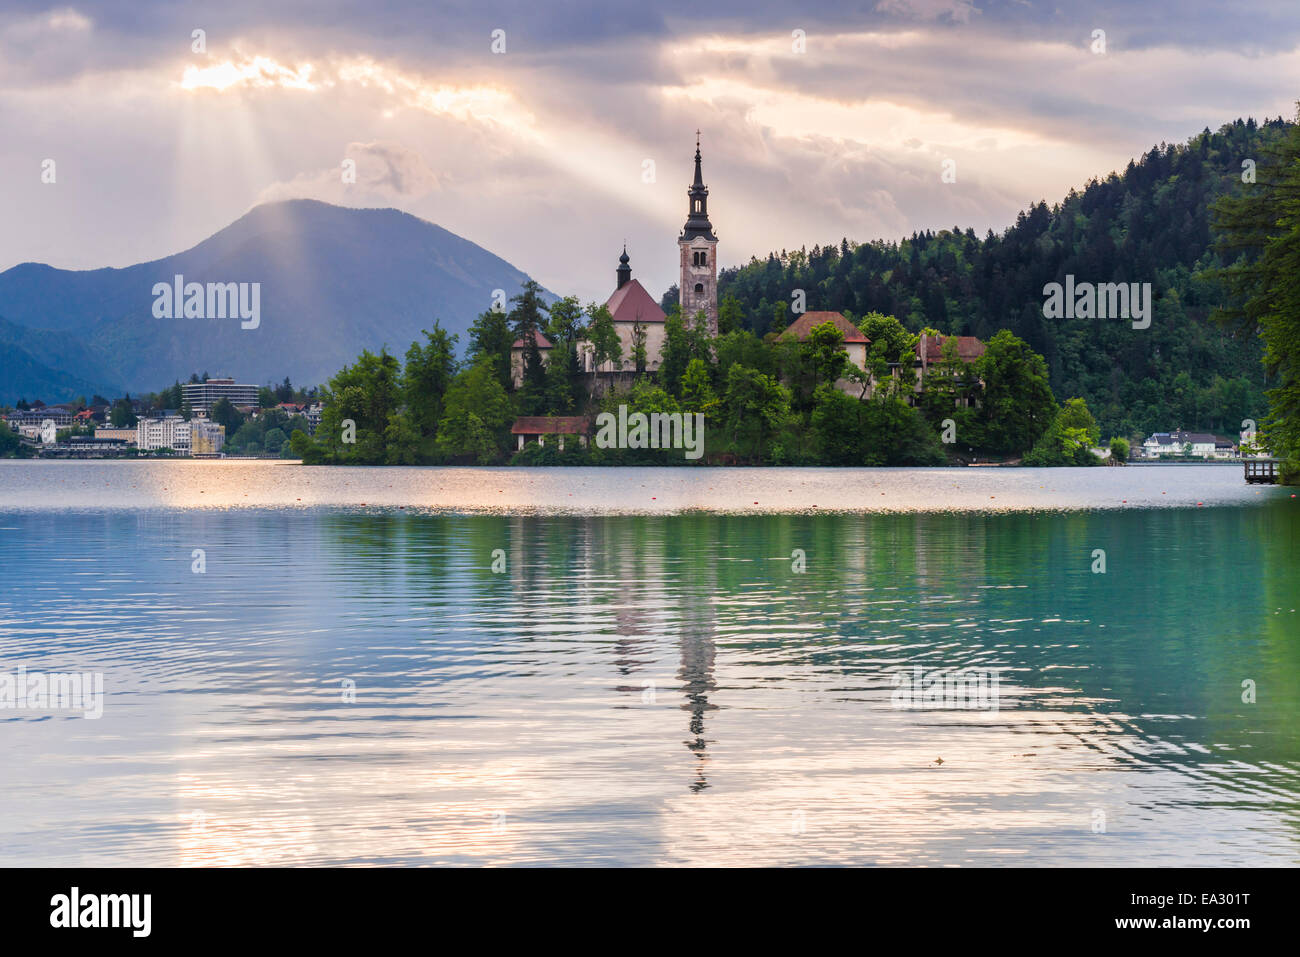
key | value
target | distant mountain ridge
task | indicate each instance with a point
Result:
(334, 281)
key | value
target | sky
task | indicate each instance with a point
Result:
(553, 133)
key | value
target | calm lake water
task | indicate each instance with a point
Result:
(677, 666)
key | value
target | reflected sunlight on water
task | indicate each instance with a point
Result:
(197, 483)
(647, 689)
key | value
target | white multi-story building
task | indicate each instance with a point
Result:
(202, 396)
(35, 418)
(312, 413)
(1199, 444)
(169, 432)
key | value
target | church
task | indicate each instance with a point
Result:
(632, 306)
(633, 309)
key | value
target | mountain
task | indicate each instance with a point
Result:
(33, 364)
(1149, 223)
(334, 281)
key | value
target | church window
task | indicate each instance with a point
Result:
(699, 289)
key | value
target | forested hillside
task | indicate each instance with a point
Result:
(1150, 223)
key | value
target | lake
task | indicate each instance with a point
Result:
(641, 667)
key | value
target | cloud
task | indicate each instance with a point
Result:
(538, 154)
(958, 11)
(384, 172)
(257, 71)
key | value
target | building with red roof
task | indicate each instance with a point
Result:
(929, 354)
(538, 427)
(929, 349)
(630, 305)
(855, 343)
(544, 346)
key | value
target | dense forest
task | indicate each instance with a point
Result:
(1150, 223)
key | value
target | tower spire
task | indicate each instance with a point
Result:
(697, 212)
(624, 271)
(698, 287)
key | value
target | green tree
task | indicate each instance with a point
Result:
(11, 444)
(896, 434)
(490, 340)
(697, 389)
(274, 439)
(429, 370)
(1069, 439)
(526, 321)
(358, 402)
(837, 423)
(565, 386)
(603, 336)
(565, 320)
(731, 315)
(646, 398)
(676, 352)
(122, 415)
(891, 347)
(224, 413)
(1017, 404)
(1259, 235)
(476, 416)
(817, 360)
(754, 407)
(639, 358)
(563, 379)
(746, 348)
(824, 350)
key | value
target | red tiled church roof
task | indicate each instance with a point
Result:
(802, 327)
(631, 303)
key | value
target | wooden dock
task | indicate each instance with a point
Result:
(1261, 471)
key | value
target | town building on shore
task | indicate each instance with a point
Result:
(202, 396)
(1203, 445)
(164, 432)
(198, 437)
(30, 423)
(207, 438)
(126, 435)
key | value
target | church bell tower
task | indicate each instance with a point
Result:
(698, 246)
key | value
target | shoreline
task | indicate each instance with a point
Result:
(90, 485)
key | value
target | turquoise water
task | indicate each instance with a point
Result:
(655, 684)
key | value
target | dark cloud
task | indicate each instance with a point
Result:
(134, 32)
(845, 139)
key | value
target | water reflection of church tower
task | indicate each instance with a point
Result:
(697, 650)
